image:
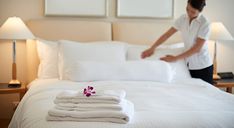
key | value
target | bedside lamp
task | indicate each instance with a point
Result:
(15, 29)
(218, 33)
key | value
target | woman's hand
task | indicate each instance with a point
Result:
(169, 58)
(147, 53)
(163, 38)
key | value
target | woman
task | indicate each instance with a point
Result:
(195, 30)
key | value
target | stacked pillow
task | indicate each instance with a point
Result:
(71, 52)
(106, 60)
(48, 56)
(56, 56)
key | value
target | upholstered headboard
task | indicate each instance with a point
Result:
(142, 33)
(131, 32)
(62, 29)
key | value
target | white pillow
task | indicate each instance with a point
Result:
(71, 52)
(48, 56)
(134, 51)
(129, 70)
(181, 70)
(171, 46)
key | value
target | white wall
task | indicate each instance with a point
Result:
(216, 10)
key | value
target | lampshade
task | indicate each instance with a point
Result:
(219, 32)
(15, 29)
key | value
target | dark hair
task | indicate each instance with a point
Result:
(197, 4)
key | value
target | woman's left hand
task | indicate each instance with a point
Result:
(169, 58)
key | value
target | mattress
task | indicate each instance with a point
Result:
(189, 103)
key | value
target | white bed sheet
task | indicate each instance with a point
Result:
(190, 103)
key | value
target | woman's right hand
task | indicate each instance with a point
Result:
(147, 53)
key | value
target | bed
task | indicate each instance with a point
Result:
(159, 102)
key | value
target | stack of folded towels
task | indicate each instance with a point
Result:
(104, 106)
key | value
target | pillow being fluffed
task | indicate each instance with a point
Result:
(48, 56)
(159, 71)
(71, 51)
(134, 51)
(181, 70)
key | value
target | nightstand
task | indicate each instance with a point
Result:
(4, 89)
(226, 83)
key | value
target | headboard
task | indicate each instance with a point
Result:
(142, 33)
(62, 29)
(131, 32)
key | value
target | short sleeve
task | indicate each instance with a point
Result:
(178, 22)
(204, 31)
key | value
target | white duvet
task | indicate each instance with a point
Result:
(183, 104)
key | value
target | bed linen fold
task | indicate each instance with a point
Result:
(91, 106)
(103, 96)
(123, 116)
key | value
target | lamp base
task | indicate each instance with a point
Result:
(14, 84)
(216, 77)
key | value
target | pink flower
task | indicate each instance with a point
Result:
(89, 91)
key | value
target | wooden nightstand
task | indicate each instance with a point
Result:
(226, 83)
(4, 89)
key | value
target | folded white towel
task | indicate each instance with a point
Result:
(123, 116)
(91, 107)
(106, 96)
